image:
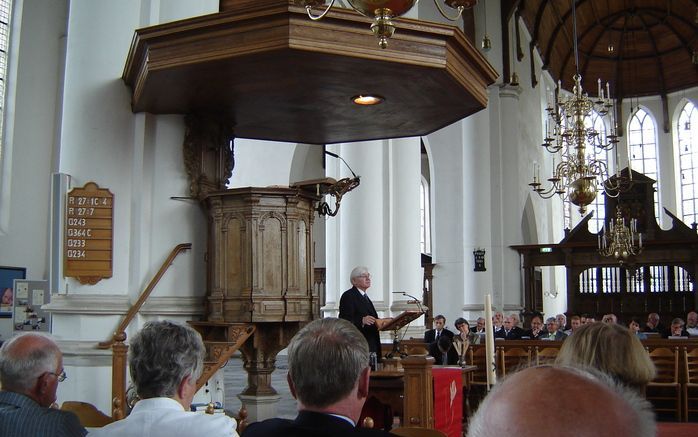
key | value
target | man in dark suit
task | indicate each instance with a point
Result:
(356, 307)
(31, 366)
(443, 352)
(509, 331)
(328, 374)
(433, 335)
(479, 327)
(537, 330)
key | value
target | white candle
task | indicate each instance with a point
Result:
(598, 93)
(489, 343)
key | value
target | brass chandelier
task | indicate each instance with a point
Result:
(383, 11)
(579, 174)
(620, 241)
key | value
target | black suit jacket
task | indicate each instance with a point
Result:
(310, 424)
(353, 307)
(430, 335)
(541, 334)
(451, 355)
(514, 334)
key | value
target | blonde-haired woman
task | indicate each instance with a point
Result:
(612, 349)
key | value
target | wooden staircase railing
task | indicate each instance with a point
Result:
(117, 342)
(221, 339)
(145, 294)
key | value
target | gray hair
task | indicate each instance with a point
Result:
(644, 420)
(325, 360)
(22, 364)
(678, 321)
(551, 320)
(358, 271)
(161, 355)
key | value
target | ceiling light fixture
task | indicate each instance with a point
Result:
(367, 100)
(579, 174)
(383, 11)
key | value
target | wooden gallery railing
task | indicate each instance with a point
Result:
(117, 342)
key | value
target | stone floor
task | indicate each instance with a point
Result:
(235, 381)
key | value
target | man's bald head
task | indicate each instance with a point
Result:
(24, 359)
(600, 406)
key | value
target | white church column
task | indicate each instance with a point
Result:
(446, 157)
(477, 223)
(506, 205)
(405, 178)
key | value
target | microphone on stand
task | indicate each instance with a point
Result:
(417, 301)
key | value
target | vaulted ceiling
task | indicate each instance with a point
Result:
(642, 47)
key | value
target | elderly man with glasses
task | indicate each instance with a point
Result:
(31, 366)
(356, 307)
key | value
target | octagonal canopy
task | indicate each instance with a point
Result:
(277, 75)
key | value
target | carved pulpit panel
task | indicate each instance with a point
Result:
(260, 256)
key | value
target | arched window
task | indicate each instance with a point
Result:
(5, 9)
(598, 206)
(642, 144)
(687, 133)
(424, 213)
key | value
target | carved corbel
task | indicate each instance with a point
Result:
(208, 153)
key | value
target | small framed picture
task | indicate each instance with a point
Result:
(7, 291)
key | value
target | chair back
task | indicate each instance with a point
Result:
(546, 355)
(476, 357)
(514, 358)
(691, 366)
(667, 363)
(88, 415)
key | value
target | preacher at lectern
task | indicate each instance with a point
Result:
(356, 307)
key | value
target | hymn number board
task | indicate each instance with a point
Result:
(88, 234)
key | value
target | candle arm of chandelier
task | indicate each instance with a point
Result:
(460, 10)
(309, 10)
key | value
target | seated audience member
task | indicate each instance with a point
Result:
(553, 333)
(31, 366)
(654, 324)
(463, 332)
(536, 332)
(515, 320)
(444, 352)
(611, 349)
(677, 328)
(328, 374)
(432, 335)
(479, 327)
(575, 323)
(601, 408)
(692, 323)
(587, 319)
(561, 322)
(165, 359)
(609, 318)
(634, 327)
(497, 321)
(509, 331)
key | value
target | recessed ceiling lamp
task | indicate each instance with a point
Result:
(367, 100)
(382, 11)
